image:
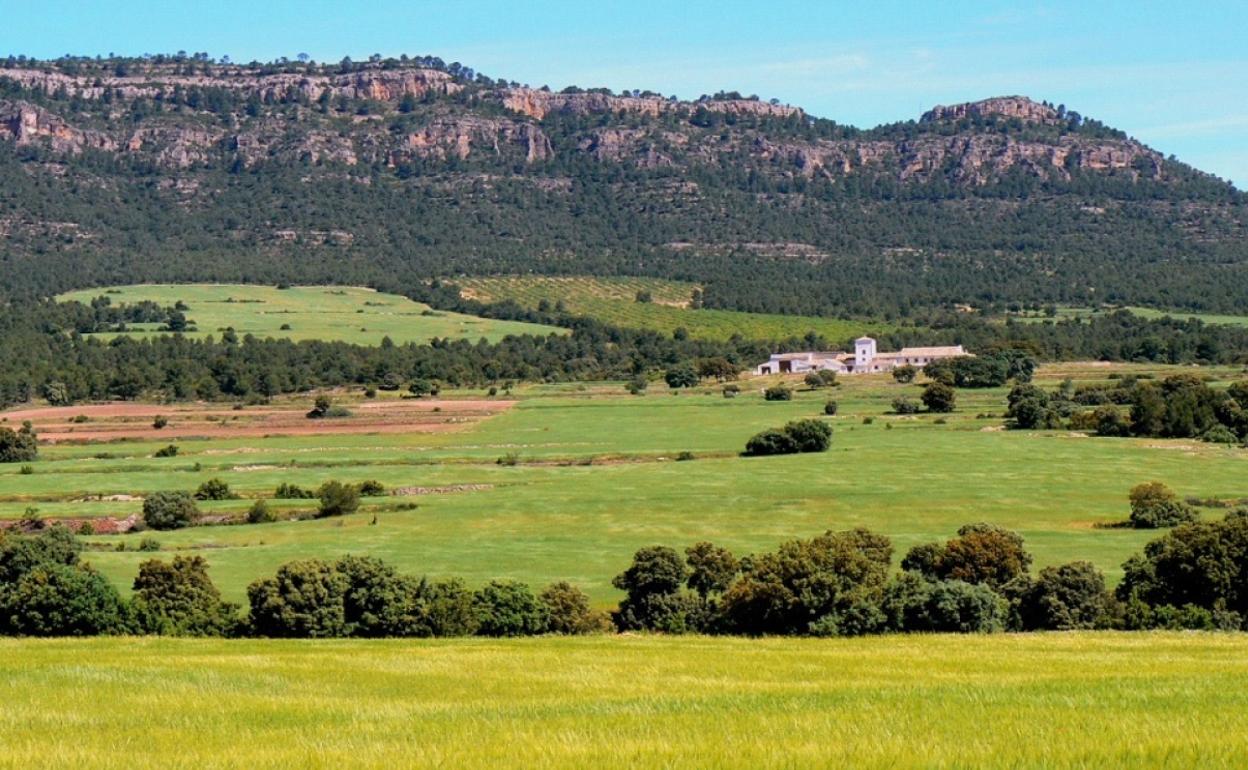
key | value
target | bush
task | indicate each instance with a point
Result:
(731, 391)
(180, 599)
(19, 446)
(981, 553)
(214, 489)
(1155, 505)
(912, 603)
(160, 422)
(371, 488)
(26, 470)
(637, 386)
(939, 397)
(655, 599)
(905, 374)
(337, 499)
(568, 611)
(421, 388)
(830, 408)
(286, 491)
(1110, 421)
(509, 608)
(149, 544)
(62, 600)
(259, 513)
(681, 376)
(809, 435)
(778, 393)
(169, 451)
(903, 405)
(303, 600)
(1065, 598)
(770, 442)
(1219, 434)
(169, 510)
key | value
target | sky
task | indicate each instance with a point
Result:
(1173, 75)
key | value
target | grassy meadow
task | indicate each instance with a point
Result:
(1075, 700)
(596, 477)
(614, 301)
(356, 315)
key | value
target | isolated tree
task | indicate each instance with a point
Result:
(778, 393)
(214, 489)
(1154, 505)
(939, 397)
(337, 499)
(169, 510)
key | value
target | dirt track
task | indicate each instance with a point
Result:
(124, 420)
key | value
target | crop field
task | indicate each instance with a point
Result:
(1064, 313)
(614, 301)
(571, 479)
(1074, 700)
(356, 315)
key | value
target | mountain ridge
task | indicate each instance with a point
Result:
(418, 168)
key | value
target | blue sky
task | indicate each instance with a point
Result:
(1173, 75)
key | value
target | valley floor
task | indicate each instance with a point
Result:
(1039, 700)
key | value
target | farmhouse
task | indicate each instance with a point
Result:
(864, 360)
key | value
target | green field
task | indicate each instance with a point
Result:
(1072, 700)
(356, 315)
(614, 301)
(596, 479)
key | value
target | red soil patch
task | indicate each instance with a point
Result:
(134, 421)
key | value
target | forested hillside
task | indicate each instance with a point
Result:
(393, 172)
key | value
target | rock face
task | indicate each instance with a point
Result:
(1006, 106)
(411, 117)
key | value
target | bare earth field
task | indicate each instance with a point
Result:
(125, 420)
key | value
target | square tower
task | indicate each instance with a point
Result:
(864, 353)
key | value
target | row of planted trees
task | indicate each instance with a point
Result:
(836, 584)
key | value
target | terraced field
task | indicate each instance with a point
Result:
(357, 315)
(614, 301)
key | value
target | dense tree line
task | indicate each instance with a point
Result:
(1178, 406)
(836, 584)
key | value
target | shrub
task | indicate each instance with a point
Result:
(214, 489)
(913, 603)
(1220, 434)
(981, 553)
(169, 451)
(422, 387)
(568, 611)
(149, 544)
(681, 376)
(26, 470)
(1071, 596)
(1155, 505)
(654, 585)
(813, 381)
(939, 397)
(903, 405)
(337, 499)
(19, 446)
(905, 374)
(684, 457)
(179, 598)
(830, 408)
(259, 513)
(1110, 421)
(160, 422)
(636, 386)
(731, 391)
(809, 435)
(62, 600)
(169, 510)
(770, 442)
(778, 393)
(509, 608)
(303, 600)
(371, 488)
(286, 491)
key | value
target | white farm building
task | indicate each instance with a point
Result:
(864, 360)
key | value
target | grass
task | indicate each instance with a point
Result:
(1026, 701)
(614, 301)
(597, 479)
(356, 315)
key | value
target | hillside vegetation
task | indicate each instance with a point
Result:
(389, 172)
